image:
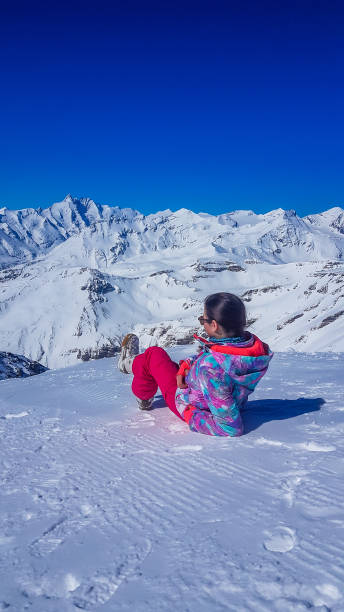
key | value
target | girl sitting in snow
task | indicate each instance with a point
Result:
(209, 389)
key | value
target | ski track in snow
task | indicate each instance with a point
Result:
(104, 507)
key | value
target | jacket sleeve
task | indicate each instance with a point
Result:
(187, 363)
(223, 417)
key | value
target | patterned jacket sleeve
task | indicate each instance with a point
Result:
(223, 417)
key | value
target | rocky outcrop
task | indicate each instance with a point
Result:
(291, 320)
(97, 286)
(109, 349)
(217, 266)
(331, 318)
(247, 296)
(18, 366)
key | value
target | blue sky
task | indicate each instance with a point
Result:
(212, 106)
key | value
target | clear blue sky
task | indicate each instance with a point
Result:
(212, 106)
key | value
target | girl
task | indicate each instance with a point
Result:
(209, 389)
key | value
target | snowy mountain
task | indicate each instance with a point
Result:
(75, 277)
(28, 233)
(107, 508)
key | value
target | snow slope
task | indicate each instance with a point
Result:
(107, 508)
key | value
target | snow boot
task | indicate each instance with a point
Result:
(145, 404)
(129, 350)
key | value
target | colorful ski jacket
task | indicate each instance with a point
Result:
(220, 379)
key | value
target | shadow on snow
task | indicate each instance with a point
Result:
(258, 412)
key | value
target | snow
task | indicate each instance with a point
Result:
(161, 267)
(104, 507)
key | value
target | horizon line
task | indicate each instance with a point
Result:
(80, 199)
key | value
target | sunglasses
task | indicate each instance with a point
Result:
(203, 320)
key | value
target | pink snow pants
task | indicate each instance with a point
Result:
(153, 369)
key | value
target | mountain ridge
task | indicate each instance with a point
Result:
(28, 233)
(76, 276)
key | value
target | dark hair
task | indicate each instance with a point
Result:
(228, 310)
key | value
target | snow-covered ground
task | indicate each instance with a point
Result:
(104, 507)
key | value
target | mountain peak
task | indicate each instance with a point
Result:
(336, 210)
(290, 213)
(281, 213)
